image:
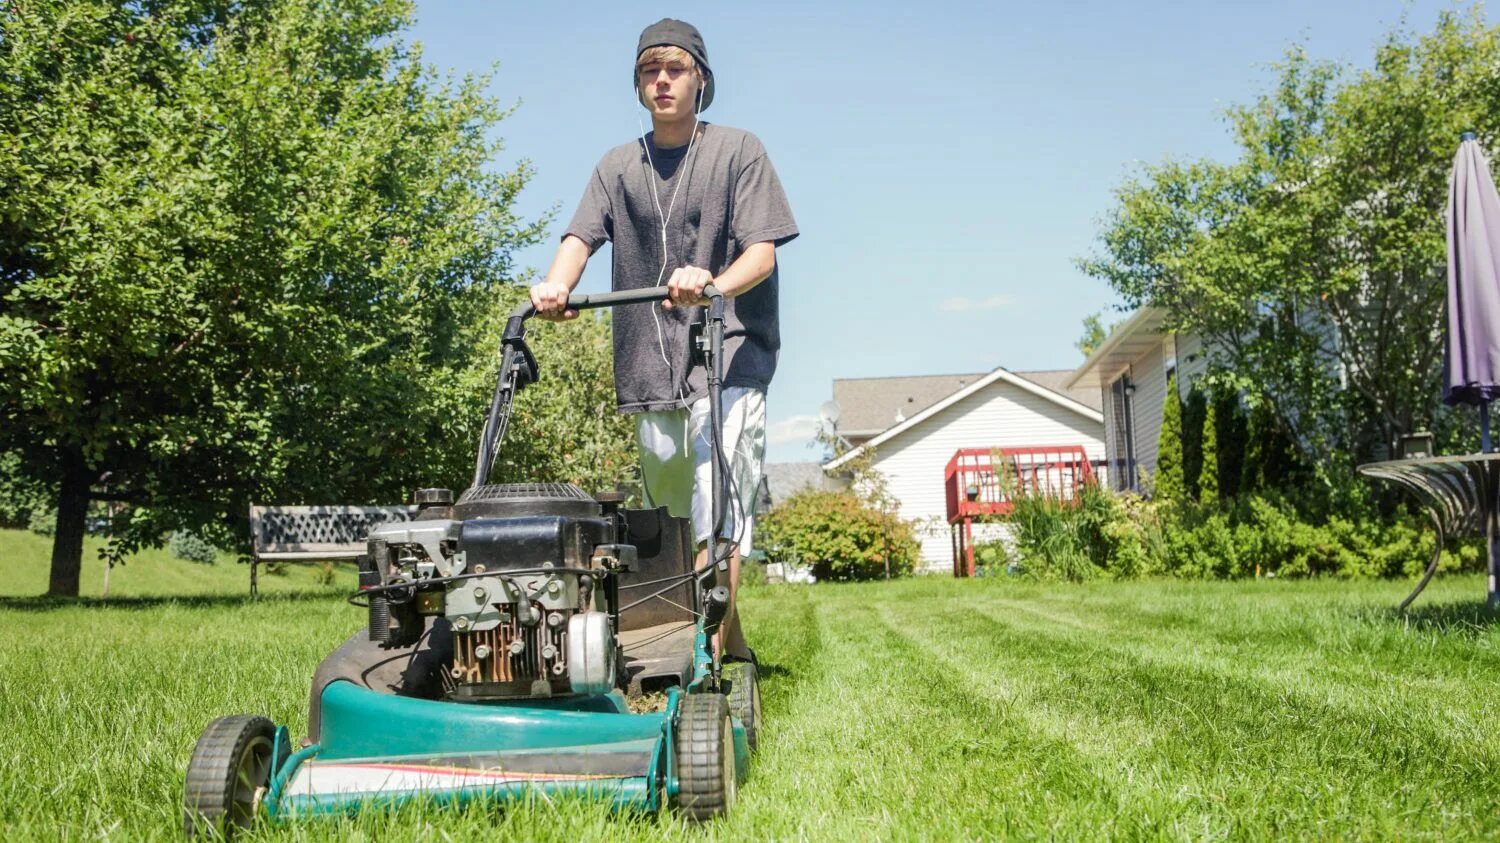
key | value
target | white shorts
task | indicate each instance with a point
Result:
(673, 477)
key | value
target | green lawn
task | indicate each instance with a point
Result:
(930, 708)
(26, 561)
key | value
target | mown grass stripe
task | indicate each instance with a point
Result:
(1415, 681)
(1232, 746)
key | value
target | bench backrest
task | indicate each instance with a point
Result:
(317, 532)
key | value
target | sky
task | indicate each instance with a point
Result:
(947, 162)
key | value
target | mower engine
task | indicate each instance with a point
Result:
(523, 574)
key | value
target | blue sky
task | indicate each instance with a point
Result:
(947, 162)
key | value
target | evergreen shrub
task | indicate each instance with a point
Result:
(1124, 537)
(188, 545)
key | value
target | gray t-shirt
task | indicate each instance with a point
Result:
(729, 199)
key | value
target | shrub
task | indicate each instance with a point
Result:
(1263, 535)
(1170, 477)
(995, 557)
(1072, 540)
(752, 572)
(42, 521)
(1194, 411)
(840, 536)
(1125, 536)
(193, 547)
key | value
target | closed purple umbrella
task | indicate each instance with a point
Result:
(1472, 355)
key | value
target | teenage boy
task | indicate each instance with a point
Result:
(689, 204)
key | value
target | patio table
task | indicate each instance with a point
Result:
(1461, 495)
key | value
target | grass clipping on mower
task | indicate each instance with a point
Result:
(647, 703)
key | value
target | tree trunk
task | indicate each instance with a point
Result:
(72, 513)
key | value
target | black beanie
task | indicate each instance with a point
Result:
(675, 33)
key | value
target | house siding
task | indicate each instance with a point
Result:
(1149, 374)
(1000, 415)
(1192, 360)
(1118, 474)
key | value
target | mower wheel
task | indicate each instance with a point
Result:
(227, 776)
(705, 757)
(744, 697)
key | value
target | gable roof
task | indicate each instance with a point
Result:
(1002, 375)
(868, 406)
(1057, 381)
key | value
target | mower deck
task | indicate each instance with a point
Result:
(437, 750)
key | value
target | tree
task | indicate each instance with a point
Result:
(248, 251)
(1170, 485)
(1094, 334)
(1208, 476)
(1313, 264)
(1230, 424)
(1270, 461)
(1193, 411)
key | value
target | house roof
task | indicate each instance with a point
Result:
(868, 406)
(1013, 378)
(1137, 335)
(787, 478)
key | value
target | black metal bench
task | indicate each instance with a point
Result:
(314, 533)
(1459, 495)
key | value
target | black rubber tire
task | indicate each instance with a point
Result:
(705, 757)
(231, 762)
(744, 698)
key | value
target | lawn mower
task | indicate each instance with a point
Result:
(505, 629)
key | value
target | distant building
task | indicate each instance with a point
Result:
(914, 426)
(1128, 375)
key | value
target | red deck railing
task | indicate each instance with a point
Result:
(982, 482)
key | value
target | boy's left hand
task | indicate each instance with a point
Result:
(686, 287)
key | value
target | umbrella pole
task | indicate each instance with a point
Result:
(1484, 427)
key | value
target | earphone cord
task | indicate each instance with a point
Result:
(683, 172)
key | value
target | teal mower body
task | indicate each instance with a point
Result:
(525, 639)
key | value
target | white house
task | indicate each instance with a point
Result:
(1128, 372)
(915, 425)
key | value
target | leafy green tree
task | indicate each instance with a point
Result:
(1170, 484)
(565, 427)
(252, 251)
(1313, 263)
(1094, 334)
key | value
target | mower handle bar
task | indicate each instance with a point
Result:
(525, 310)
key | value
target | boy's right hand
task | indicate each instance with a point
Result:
(550, 298)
